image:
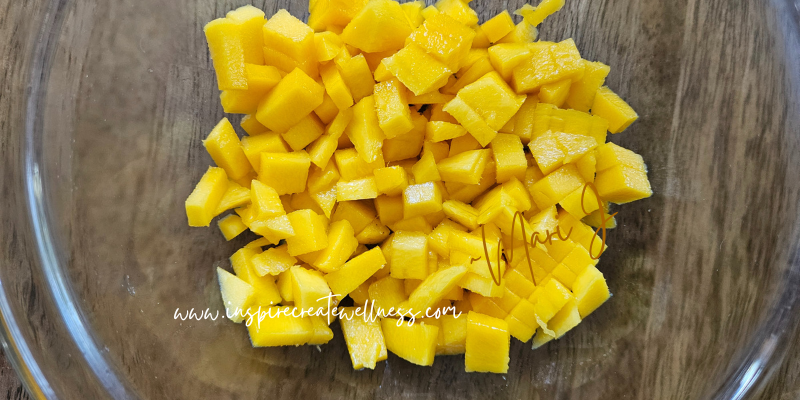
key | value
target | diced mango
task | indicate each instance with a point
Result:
(329, 14)
(304, 132)
(582, 92)
(359, 214)
(272, 261)
(445, 39)
(613, 109)
(380, 26)
(505, 57)
(409, 257)
(310, 232)
(421, 199)
(387, 293)
(206, 196)
(437, 131)
(487, 344)
(548, 63)
(231, 226)
(289, 37)
(391, 106)
(391, 180)
(459, 10)
(610, 155)
(309, 289)
(390, 209)
(555, 93)
(562, 322)
(466, 167)
(237, 295)
(293, 98)
(227, 52)
(265, 292)
(225, 149)
(554, 187)
(415, 343)
(364, 338)
(356, 271)
(425, 169)
(621, 184)
(287, 173)
(434, 288)
(267, 142)
(364, 130)
(419, 71)
(280, 329)
(407, 145)
(251, 125)
(535, 15)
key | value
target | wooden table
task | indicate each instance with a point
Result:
(14, 27)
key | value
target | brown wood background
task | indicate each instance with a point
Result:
(686, 20)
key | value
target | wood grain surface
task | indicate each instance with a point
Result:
(716, 99)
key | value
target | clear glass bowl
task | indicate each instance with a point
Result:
(704, 273)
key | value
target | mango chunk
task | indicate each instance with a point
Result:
(421, 199)
(466, 167)
(251, 125)
(267, 142)
(582, 92)
(359, 214)
(309, 289)
(591, 290)
(280, 328)
(265, 292)
(287, 173)
(293, 98)
(425, 169)
(565, 320)
(555, 93)
(380, 26)
(341, 245)
(409, 257)
(364, 338)
(310, 232)
(445, 38)
(407, 145)
(419, 71)
(415, 343)
(355, 272)
(236, 295)
(613, 109)
(231, 226)
(250, 20)
(391, 180)
(365, 131)
(458, 10)
(287, 37)
(548, 63)
(225, 149)
(336, 87)
(387, 293)
(487, 344)
(435, 287)
(504, 57)
(498, 26)
(556, 186)
(535, 15)
(272, 261)
(509, 157)
(206, 196)
(391, 106)
(438, 131)
(610, 155)
(621, 184)
(227, 52)
(329, 14)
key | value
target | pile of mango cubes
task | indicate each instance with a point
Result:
(394, 154)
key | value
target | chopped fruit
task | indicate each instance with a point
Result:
(206, 196)
(287, 173)
(380, 26)
(582, 92)
(236, 295)
(310, 232)
(421, 199)
(435, 287)
(280, 328)
(498, 26)
(364, 338)
(293, 98)
(487, 344)
(414, 343)
(227, 51)
(309, 289)
(535, 15)
(445, 39)
(613, 109)
(273, 261)
(226, 151)
(391, 181)
(231, 226)
(549, 63)
(355, 272)
(391, 105)
(621, 184)
(409, 259)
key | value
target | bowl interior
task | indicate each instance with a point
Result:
(695, 270)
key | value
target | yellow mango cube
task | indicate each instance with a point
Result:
(480, 285)
(413, 10)
(407, 145)
(231, 226)
(509, 157)
(459, 10)
(550, 299)
(227, 52)
(555, 93)
(535, 15)
(326, 111)
(284, 284)
(364, 338)
(452, 335)
(265, 292)
(610, 155)
(438, 131)
(287, 173)
(498, 26)
(305, 132)
(352, 166)
(466, 167)
(336, 87)
(504, 57)
(445, 39)
(591, 290)
(522, 33)
(322, 333)
(613, 109)
(292, 99)
(358, 213)
(493, 100)
(387, 293)
(374, 233)
(266, 201)
(462, 213)
(419, 71)
(391, 106)
(309, 289)
(364, 130)
(310, 232)
(621, 184)
(409, 256)
(380, 26)
(251, 125)
(357, 75)
(268, 142)
(281, 330)
(582, 91)
(273, 229)
(390, 209)
(355, 272)
(237, 295)
(548, 63)
(438, 238)
(487, 344)
(327, 45)
(435, 287)
(425, 169)
(358, 189)
(341, 245)
(272, 261)
(391, 181)
(329, 14)
(579, 204)
(225, 149)
(415, 343)
(289, 37)
(421, 199)
(562, 322)
(554, 187)
(250, 20)
(206, 196)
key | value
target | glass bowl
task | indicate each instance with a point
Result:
(704, 274)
